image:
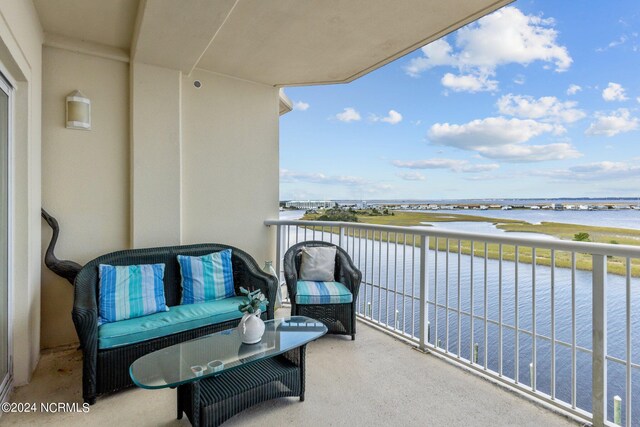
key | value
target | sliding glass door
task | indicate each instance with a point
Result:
(5, 330)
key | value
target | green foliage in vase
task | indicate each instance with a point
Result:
(253, 300)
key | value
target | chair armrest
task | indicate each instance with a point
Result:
(348, 274)
(291, 274)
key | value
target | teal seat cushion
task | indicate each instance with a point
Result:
(179, 318)
(310, 292)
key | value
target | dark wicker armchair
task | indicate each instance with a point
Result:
(339, 318)
(107, 370)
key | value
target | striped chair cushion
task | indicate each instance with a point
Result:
(206, 278)
(130, 291)
(308, 292)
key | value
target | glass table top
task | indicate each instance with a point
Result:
(222, 351)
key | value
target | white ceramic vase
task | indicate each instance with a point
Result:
(251, 328)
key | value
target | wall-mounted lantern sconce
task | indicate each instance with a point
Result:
(78, 111)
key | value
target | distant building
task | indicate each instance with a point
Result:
(309, 204)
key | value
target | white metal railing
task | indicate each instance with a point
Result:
(503, 306)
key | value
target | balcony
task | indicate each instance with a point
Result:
(375, 380)
(461, 305)
(552, 320)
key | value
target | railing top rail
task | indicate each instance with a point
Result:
(560, 245)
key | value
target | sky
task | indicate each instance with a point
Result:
(539, 99)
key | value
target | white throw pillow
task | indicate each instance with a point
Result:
(318, 264)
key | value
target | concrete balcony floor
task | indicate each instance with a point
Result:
(375, 380)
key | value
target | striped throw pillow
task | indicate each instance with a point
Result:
(130, 291)
(206, 278)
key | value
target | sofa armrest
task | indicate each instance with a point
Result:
(85, 320)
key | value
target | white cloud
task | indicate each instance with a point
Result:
(320, 178)
(620, 41)
(519, 79)
(356, 183)
(393, 118)
(616, 122)
(605, 170)
(573, 89)
(412, 176)
(530, 153)
(614, 92)
(469, 83)
(492, 131)
(503, 37)
(451, 164)
(300, 106)
(546, 108)
(503, 139)
(348, 115)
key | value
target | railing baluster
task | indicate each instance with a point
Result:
(404, 270)
(424, 292)
(366, 269)
(446, 297)
(459, 299)
(413, 285)
(373, 271)
(574, 388)
(471, 342)
(435, 293)
(278, 249)
(379, 275)
(500, 310)
(486, 305)
(553, 324)
(516, 318)
(629, 392)
(599, 327)
(386, 297)
(533, 318)
(395, 283)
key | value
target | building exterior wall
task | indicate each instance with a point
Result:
(20, 59)
(155, 156)
(164, 163)
(230, 162)
(85, 174)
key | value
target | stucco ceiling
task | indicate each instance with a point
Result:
(275, 42)
(108, 22)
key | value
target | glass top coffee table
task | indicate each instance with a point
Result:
(218, 376)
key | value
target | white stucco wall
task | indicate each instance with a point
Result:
(21, 59)
(196, 165)
(230, 174)
(85, 174)
(155, 156)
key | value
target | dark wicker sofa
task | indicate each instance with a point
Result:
(107, 370)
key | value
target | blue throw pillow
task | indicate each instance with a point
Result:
(206, 278)
(130, 291)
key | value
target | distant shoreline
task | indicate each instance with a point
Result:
(563, 231)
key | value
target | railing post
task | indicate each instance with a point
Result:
(340, 236)
(599, 326)
(278, 250)
(424, 293)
